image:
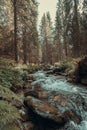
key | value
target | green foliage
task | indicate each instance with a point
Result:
(6, 63)
(46, 38)
(9, 74)
(7, 95)
(32, 68)
(8, 114)
(9, 77)
(65, 65)
(11, 127)
(12, 74)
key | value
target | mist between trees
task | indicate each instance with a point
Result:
(21, 40)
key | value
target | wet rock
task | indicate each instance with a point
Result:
(82, 71)
(41, 108)
(27, 85)
(31, 93)
(30, 77)
(37, 86)
(37, 93)
(58, 70)
(79, 73)
(28, 125)
(56, 106)
(49, 72)
(30, 81)
(56, 98)
(15, 88)
(43, 94)
(24, 114)
(84, 81)
(83, 67)
(69, 79)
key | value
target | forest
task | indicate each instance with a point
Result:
(43, 68)
(20, 39)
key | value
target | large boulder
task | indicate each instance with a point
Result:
(30, 77)
(57, 106)
(83, 67)
(42, 108)
(28, 125)
(83, 70)
(78, 73)
(84, 80)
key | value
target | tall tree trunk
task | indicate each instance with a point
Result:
(46, 42)
(59, 47)
(65, 46)
(76, 32)
(46, 50)
(15, 31)
(24, 47)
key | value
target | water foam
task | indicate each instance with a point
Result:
(53, 84)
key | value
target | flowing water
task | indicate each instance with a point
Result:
(53, 83)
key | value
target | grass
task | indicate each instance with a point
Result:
(8, 113)
(11, 75)
(7, 95)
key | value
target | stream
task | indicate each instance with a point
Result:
(56, 83)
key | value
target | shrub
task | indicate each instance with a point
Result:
(9, 77)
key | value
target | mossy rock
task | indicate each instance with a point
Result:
(11, 127)
(75, 73)
(7, 95)
(8, 114)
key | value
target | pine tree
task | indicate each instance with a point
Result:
(27, 35)
(59, 30)
(67, 27)
(46, 37)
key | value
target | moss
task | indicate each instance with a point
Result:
(73, 73)
(8, 113)
(12, 74)
(4, 62)
(11, 127)
(8, 95)
(10, 77)
(32, 68)
(65, 65)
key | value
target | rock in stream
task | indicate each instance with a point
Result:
(61, 106)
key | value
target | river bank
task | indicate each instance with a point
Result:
(41, 101)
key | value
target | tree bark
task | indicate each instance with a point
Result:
(76, 32)
(24, 47)
(15, 31)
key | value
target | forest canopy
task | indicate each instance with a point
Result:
(20, 38)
